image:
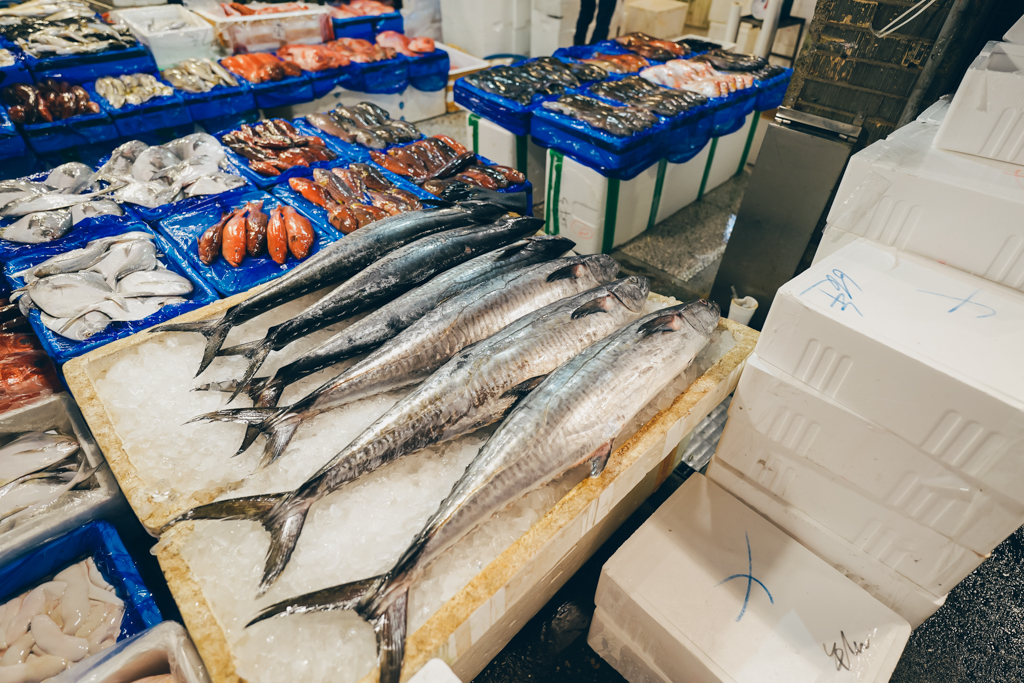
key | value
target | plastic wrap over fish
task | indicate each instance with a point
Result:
(164, 649)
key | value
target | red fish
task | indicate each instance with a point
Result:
(300, 233)
(309, 190)
(277, 235)
(234, 239)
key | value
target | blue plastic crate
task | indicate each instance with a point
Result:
(429, 72)
(99, 541)
(772, 91)
(385, 77)
(84, 129)
(12, 145)
(577, 53)
(327, 80)
(283, 93)
(392, 21)
(77, 69)
(184, 230)
(256, 179)
(158, 113)
(61, 349)
(154, 215)
(221, 102)
(354, 27)
(17, 72)
(731, 111)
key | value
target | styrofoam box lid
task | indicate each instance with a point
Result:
(435, 671)
(926, 351)
(1016, 33)
(713, 575)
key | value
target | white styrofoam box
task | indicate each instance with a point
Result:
(954, 208)
(435, 671)
(459, 64)
(707, 590)
(900, 594)
(657, 18)
(194, 39)
(552, 25)
(773, 411)
(409, 105)
(936, 112)
(832, 240)
(504, 28)
(924, 556)
(161, 649)
(681, 186)
(503, 147)
(719, 11)
(1016, 32)
(986, 117)
(926, 351)
(746, 37)
(727, 155)
(102, 501)
(596, 212)
(625, 656)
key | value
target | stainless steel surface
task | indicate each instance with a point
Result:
(786, 115)
(797, 171)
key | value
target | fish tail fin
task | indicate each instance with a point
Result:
(215, 331)
(279, 434)
(347, 596)
(257, 421)
(250, 507)
(254, 389)
(256, 353)
(390, 628)
(284, 522)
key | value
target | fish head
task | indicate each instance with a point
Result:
(523, 225)
(702, 315)
(602, 266)
(631, 291)
(550, 246)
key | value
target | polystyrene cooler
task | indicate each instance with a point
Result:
(957, 209)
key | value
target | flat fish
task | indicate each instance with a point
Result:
(570, 420)
(158, 282)
(69, 295)
(79, 329)
(98, 207)
(36, 228)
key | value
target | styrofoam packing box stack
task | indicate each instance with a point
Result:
(503, 28)
(883, 415)
(953, 208)
(658, 18)
(986, 117)
(504, 147)
(552, 25)
(707, 590)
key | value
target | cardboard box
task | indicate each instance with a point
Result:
(504, 28)
(925, 351)
(657, 18)
(900, 594)
(773, 413)
(986, 117)
(707, 590)
(953, 208)
(508, 149)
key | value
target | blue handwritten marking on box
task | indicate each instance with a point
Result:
(836, 286)
(963, 301)
(749, 576)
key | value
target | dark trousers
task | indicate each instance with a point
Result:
(605, 10)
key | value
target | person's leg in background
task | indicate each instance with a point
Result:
(605, 11)
(583, 22)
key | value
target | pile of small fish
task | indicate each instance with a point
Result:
(62, 621)
(484, 328)
(404, 45)
(360, 8)
(652, 48)
(6, 57)
(48, 101)
(636, 92)
(365, 124)
(131, 89)
(260, 67)
(49, 208)
(26, 372)
(249, 231)
(621, 121)
(696, 76)
(542, 76)
(153, 176)
(274, 145)
(237, 9)
(617, 64)
(355, 196)
(438, 161)
(36, 469)
(198, 74)
(71, 29)
(112, 279)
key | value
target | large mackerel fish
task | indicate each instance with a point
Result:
(369, 332)
(430, 342)
(571, 419)
(336, 263)
(391, 275)
(477, 387)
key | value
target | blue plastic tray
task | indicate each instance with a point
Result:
(731, 111)
(345, 151)
(77, 69)
(428, 72)
(241, 164)
(392, 21)
(220, 102)
(354, 27)
(100, 541)
(318, 215)
(85, 129)
(158, 113)
(386, 77)
(185, 228)
(772, 91)
(62, 349)
(577, 53)
(12, 145)
(17, 72)
(283, 93)
(157, 214)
